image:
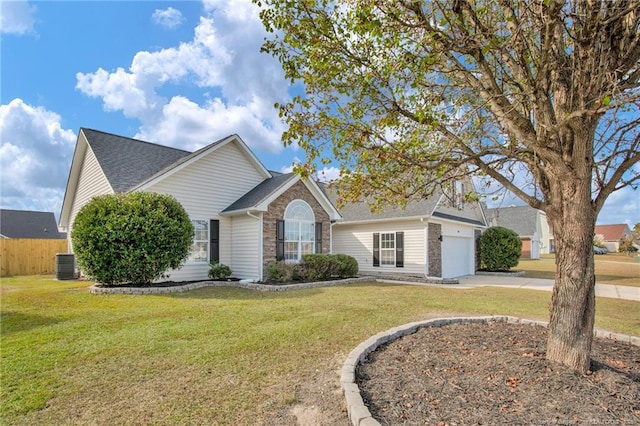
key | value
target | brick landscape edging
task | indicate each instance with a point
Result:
(96, 289)
(359, 413)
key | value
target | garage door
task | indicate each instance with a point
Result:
(456, 256)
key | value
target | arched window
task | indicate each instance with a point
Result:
(299, 231)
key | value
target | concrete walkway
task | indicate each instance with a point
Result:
(473, 281)
(602, 290)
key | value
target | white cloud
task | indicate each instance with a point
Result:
(224, 56)
(35, 156)
(192, 125)
(17, 17)
(169, 18)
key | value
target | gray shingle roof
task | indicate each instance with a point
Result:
(521, 219)
(128, 162)
(260, 192)
(362, 211)
(28, 224)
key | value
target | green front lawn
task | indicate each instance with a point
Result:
(612, 268)
(210, 356)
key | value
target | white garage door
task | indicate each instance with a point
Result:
(456, 256)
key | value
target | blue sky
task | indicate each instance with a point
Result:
(177, 73)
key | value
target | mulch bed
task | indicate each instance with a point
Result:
(496, 373)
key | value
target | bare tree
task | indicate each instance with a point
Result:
(408, 95)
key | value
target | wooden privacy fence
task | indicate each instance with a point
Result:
(22, 256)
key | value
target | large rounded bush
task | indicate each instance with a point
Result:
(131, 238)
(500, 249)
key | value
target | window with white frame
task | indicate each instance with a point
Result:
(388, 249)
(299, 231)
(200, 246)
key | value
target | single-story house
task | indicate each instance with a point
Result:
(612, 234)
(246, 216)
(28, 224)
(530, 224)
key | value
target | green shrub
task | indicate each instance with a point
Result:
(282, 271)
(218, 271)
(344, 266)
(131, 238)
(316, 267)
(500, 249)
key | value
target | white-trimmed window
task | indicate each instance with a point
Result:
(388, 249)
(299, 231)
(200, 246)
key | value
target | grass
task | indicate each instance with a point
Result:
(210, 356)
(612, 268)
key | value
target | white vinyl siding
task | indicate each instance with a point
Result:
(205, 188)
(91, 183)
(357, 241)
(246, 245)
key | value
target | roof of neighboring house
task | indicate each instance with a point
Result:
(28, 224)
(521, 219)
(128, 162)
(613, 232)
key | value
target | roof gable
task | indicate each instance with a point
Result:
(190, 158)
(28, 224)
(613, 232)
(128, 162)
(268, 190)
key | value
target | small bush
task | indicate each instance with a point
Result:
(500, 249)
(316, 267)
(344, 266)
(218, 271)
(131, 238)
(282, 271)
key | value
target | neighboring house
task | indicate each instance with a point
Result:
(244, 215)
(28, 224)
(612, 234)
(432, 238)
(530, 224)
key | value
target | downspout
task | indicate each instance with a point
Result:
(260, 248)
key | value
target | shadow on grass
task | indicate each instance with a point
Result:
(13, 322)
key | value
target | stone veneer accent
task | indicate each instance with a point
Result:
(358, 412)
(276, 212)
(435, 249)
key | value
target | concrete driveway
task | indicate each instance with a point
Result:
(602, 290)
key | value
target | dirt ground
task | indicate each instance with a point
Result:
(496, 373)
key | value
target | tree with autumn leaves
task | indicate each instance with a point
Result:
(408, 96)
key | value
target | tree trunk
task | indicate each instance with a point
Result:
(572, 309)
